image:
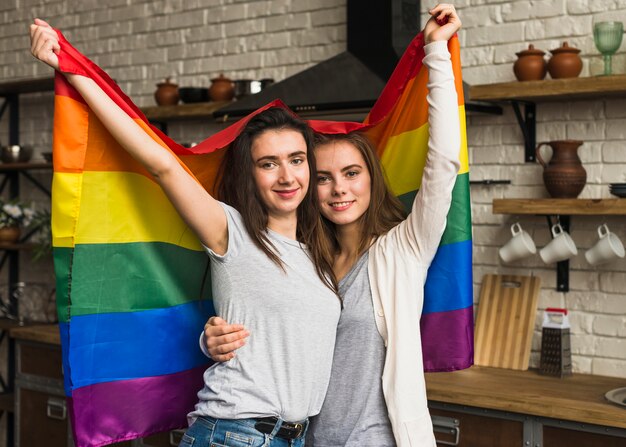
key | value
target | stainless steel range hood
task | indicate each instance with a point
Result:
(378, 32)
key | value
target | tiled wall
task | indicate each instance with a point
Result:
(140, 43)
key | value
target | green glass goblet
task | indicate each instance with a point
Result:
(608, 37)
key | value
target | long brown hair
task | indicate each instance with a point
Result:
(237, 188)
(385, 210)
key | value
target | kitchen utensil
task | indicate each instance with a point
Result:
(505, 320)
(560, 248)
(556, 352)
(245, 87)
(16, 153)
(608, 37)
(519, 246)
(266, 82)
(222, 89)
(166, 93)
(618, 189)
(193, 94)
(617, 396)
(565, 62)
(609, 247)
(564, 176)
(530, 65)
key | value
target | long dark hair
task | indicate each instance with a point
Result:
(237, 188)
(385, 210)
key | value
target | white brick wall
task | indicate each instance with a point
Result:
(140, 42)
(493, 32)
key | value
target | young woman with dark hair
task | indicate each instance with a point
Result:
(381, 260)
(270, 269)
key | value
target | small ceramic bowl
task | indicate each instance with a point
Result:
(16, 153)
(193, 94)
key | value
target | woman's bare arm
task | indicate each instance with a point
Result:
(204, 215)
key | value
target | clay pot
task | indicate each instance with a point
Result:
(530, 65)
(10, 235)
(166, 93)
(222, 89)
(564, 176)
(565, 62)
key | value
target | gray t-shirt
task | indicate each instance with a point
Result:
(284, 368)
(354, 411)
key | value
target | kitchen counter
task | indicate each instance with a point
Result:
(578, 398)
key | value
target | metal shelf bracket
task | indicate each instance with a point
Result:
(562, 267)
(528, 124)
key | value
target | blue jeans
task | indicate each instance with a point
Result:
(211, 432)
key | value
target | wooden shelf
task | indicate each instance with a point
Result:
(27, 86)
(6, 167)
(551, 89)
(16, 247)
(183, 111)
(569, 207)
(43, 333)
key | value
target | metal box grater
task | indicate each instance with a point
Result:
(556, 353)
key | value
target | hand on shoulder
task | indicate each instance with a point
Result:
(443, 23)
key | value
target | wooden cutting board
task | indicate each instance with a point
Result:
(505, 321)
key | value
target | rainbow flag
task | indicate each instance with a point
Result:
(400, 130)
(133, 285)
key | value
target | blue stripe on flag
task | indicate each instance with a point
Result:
(449, 281)
(122, 346)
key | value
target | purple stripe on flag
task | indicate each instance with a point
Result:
(448, 340)
(115, 411)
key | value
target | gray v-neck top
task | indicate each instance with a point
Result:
(354, 411)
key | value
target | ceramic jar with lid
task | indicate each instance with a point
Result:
(530, 65)
(222, 89)
(166, 93)
(565, 62)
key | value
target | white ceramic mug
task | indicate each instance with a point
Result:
(519, 246)
(606, 249)
(560, 248)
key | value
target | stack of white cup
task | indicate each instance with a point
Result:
(562, 246)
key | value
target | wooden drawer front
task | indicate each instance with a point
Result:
(40, 360)
(481, 431)
(562, 437)
(43, 421)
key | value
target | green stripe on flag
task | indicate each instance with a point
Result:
(459, 226)
(62, 259)
(131, 277)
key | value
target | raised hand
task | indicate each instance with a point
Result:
(222, 339)
(443, 23)
(44, 43)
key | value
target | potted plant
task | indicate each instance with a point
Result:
(13, 217)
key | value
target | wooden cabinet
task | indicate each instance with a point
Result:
(493, 407)
(474, 430)
(465, 426)
(563, 437)
(41, 413)
(169, 439)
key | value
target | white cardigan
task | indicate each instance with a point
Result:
(399, 260)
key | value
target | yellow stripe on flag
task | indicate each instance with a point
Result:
(404, 162)
(121, 207)
(66, 189)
